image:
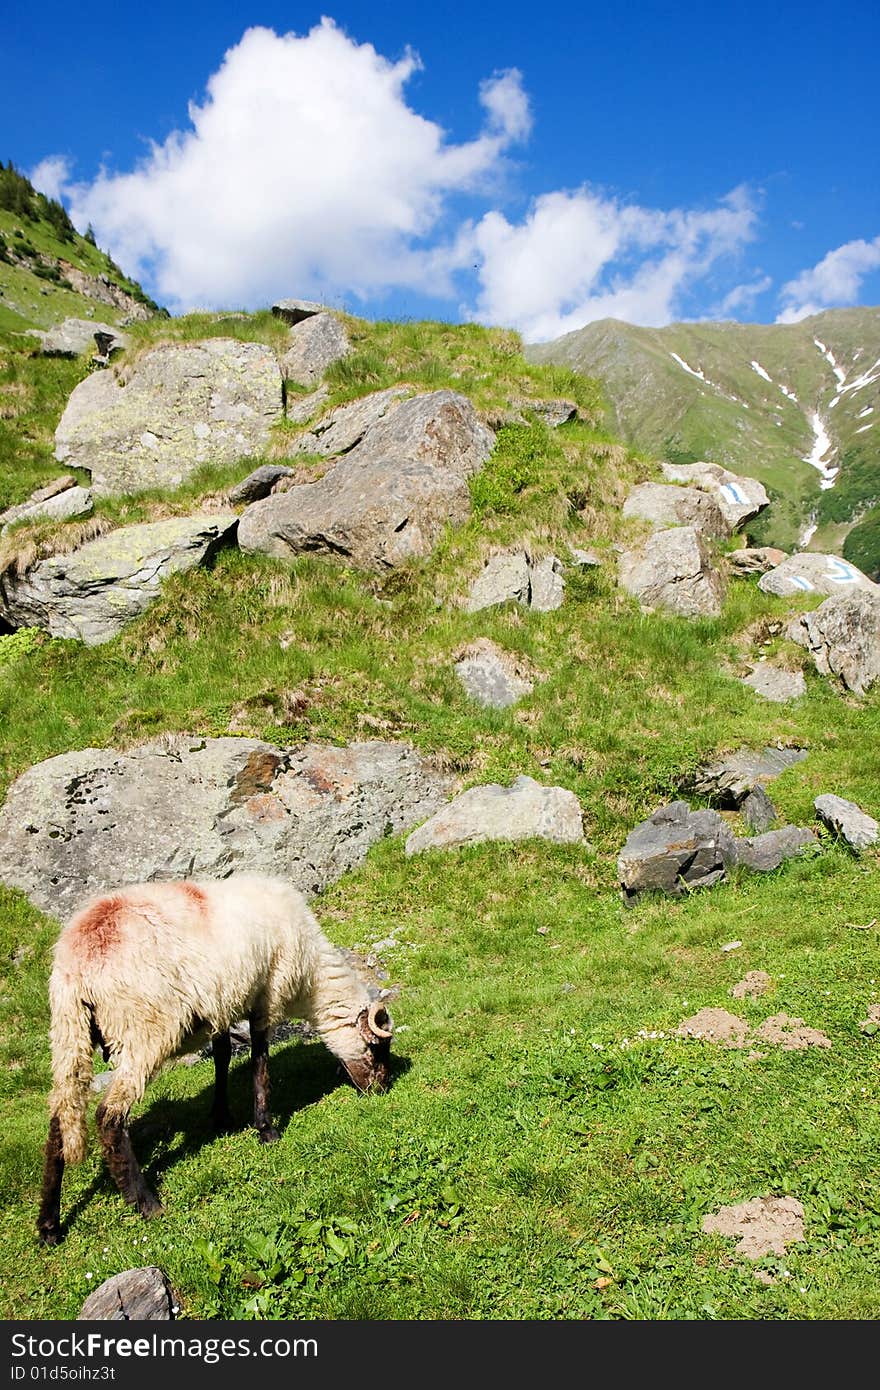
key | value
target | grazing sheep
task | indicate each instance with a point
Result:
(150, 970)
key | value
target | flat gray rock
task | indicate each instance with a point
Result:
(775, 683)
(59, 506)
(92, 592)
(73, 336)
(843, 637)
(673, 572)
(758, 811)
(754, 559)
(136, 1295)
(258, 484)
(664, 504)
(675, 850)
(763, 853)
(848, 820)
(523, 811)
(513, 574)
(300, 409)
(390, 498)
(729, 780)
(294, 311)
(183, 404)
(315, 344)
(90, 821)
(740, 499)
(342, 428)
(553, 412)
(809, 572)
(492, 676)
(546, 584)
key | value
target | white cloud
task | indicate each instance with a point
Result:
(303, 171)
(581, 256)
(51, 175)
(744, 296)
(835, 280)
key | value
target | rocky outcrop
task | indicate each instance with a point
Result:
(775, 683)
(740, 499)
(73, 336)
(294, 311)
(316, 343)
(96, 819)
(843, 638)
(389, 498)
(663, 504)
(183, 404)
(92, 592)
(847, 820)
(57, 501)
(342, 428)
(513, 574)
(673, 572)
(136, 1295)
(491, 676)
(105, 291)
(813, 573)
(523, 811)
(729, 780)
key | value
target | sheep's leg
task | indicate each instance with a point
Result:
(49, 1219)
(221, 1047)
(123, 1165)
(260, 1066)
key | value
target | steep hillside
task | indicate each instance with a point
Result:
(793, 405)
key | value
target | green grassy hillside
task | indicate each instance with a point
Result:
(735, 416)
(549, 1147)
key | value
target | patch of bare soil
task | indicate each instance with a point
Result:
(752, 985)
(791, 1034)
(716, 1026)
(761, 1226)
(872, 1022)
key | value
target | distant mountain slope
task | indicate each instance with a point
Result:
(760, 399)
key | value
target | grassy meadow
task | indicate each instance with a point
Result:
(550, 1146)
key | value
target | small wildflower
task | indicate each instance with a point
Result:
(89, 1274)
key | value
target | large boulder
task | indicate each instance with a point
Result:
(316, 343)
(675, 850)
(843, 637)
(811, 572)
(183, 404)
(389, 498)
(345, 426)
(664, 504)
(739, 498)
(523, 811)
(73, 336)
(96, 819)
(729, 780)
(673, 572)
(92, 592)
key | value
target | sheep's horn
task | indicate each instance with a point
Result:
(375, 1009)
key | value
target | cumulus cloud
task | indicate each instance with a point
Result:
(51, 176)
(580, 256)
(835, 280)
(743, 296)
(303, 171)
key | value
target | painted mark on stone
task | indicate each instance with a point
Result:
(734, 493)
(800, 581)
(839, 572)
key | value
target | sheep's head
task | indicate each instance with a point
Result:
(369, 1068)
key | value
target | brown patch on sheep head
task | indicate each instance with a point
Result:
(96, 931)
(372, 1070)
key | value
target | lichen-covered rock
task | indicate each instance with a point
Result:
(513, 574)
(740, 499)
(554, 412)
(813, 573)
(673, 572)
(73, 336)
(848, 820)
(93, 820)
(843, 637)
(664, 504)
(546, 584)
(342, 428)
(183, 404)
(523, 811)
(136, 1295)
(389, 499)
(316, 343)
(91, 593)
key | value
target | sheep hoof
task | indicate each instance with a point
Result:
(49, 1235)
(269, 1135)
(149, 1206)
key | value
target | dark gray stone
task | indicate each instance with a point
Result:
(136, 1295)
(848, 820)
(294, 311)
(758, 811)
(259, 483)
(763, 853)
(675, 850)
(731, 778)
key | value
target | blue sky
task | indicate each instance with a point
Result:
(536, 166)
